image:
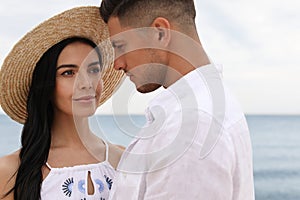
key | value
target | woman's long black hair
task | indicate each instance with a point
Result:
(36, 133)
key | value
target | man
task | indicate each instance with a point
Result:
(196, 143)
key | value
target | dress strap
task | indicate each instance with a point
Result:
(47, 164)
(106, 150)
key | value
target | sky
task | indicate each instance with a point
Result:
(256, 41)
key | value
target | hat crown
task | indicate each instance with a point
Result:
(17, 69)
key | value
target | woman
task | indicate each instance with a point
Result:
(52, 82)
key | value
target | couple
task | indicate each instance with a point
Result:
(195, 144)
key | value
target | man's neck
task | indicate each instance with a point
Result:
(178, 67)
(186, 54)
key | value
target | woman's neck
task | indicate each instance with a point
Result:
(67, 130)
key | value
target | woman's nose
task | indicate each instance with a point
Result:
(84, 81)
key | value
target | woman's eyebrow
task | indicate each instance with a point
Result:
(66, 66)
(94, 63)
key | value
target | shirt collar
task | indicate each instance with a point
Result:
(170, 99)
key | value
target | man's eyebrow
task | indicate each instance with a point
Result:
(114, 43)
(66, 66)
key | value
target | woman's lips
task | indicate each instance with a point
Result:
(85, 99)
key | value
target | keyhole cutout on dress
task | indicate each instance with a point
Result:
(90, 185)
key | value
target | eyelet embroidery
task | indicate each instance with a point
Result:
(108, 181)
(67, 187)
(81, 187)
(101, 185)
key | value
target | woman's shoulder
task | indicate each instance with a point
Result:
(9, 163)
(8, 167)
(116, 149)
(115, 153)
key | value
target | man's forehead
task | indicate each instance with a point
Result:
(118, 31)
(123, 35)
(114, 26)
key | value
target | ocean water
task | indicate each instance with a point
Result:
(276, 151)
(275, 141)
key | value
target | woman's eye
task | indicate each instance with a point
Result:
(94, 70)
(68, 73)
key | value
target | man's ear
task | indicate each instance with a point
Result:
(162, 30)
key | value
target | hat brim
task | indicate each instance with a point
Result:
(18, 66)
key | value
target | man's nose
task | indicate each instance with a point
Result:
(120, 63)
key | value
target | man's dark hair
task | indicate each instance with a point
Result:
(140, 13)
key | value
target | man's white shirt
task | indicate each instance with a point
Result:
(195, 145)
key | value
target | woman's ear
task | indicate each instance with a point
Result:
(162, 30)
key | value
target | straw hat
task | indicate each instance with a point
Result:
(17, 69)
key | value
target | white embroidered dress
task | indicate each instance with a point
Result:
(71, 182)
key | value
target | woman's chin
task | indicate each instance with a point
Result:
(84, 111)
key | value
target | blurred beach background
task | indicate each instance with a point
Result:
(275, 141)
(257, 42)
